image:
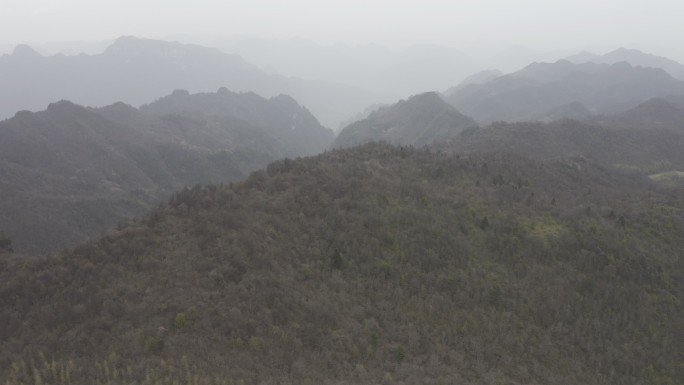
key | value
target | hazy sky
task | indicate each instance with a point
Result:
(654, 25)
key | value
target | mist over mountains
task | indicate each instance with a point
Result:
(136, 70)
(396, 73)
(71, 172)
(174, 213)
(418, 121)
(632, 56)
(541, 88)
(334, 82)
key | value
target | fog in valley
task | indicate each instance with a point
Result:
(341, 192)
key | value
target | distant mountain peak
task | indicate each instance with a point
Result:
(426, 98)
(424, 103)
(561, 63)
(126, 39)
(119, 107)
(137, 70)
(131, 41)
(634, 57)
(183, 93)
(23, 50)
(582, 57)
(286, 101)
(602, 87)
(623, 50)
(63, 105)
(220, 91)
(131, 45)
(23, 114)
(123, 42)
(420, 120)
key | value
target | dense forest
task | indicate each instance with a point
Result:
(376, 264)
(643, 150)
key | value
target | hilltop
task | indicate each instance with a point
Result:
(418, 121)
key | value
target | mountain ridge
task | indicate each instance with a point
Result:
(104, 165)
(135, 70)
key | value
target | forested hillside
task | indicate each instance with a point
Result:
(644, 147)
(70, 172)
(376, 264)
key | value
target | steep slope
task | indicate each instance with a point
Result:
(418, 121)
(633, 57)
(541, 87)
(70, 172)
(376, 264)
(136, 71)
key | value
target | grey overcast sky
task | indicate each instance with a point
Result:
(654, 25)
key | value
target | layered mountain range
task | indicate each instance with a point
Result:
(135, 71)
(373, 264)
(634, 57)
(648, 138)
(70, 172)
(543, 90)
